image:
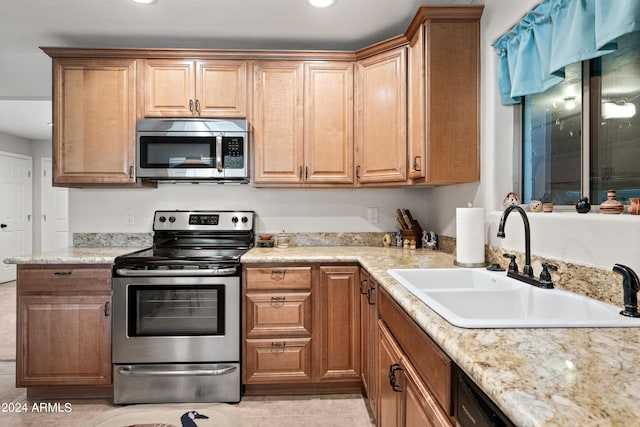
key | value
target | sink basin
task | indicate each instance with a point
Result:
(477, 298)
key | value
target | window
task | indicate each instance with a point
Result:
(582, 136)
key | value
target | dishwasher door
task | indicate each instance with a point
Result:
(473, 408)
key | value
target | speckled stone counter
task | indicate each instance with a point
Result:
(74, 255)
(538, 377)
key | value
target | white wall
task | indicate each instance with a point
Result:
(597, 240)
(294, 210)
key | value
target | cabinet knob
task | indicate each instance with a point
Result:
(3, 225)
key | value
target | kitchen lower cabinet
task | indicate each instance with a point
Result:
(369, 337)
(414, 374)
(301, 328)
(64, 328)
(337, 324)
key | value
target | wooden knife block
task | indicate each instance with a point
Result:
(414, 234)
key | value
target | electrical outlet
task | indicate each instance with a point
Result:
(129, 216)
(372, 215)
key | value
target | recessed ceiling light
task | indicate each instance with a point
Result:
(321, 3)
(145, 1)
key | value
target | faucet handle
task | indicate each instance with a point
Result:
(545, 276)
(513, 266)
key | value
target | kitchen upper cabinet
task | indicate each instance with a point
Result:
(381, 118)
(63, 326)
(303, 122)
(328, 123)
(188, 88)
(278, 122)
(94, 114)
(444, 95)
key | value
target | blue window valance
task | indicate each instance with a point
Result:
(556, 33)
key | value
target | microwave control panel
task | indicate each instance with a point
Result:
(233, 152)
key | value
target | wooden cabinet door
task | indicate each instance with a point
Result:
(221, 88)
(328, 123)
(278, 122)
(389, 400)
(337, 323)
(444, 97)
(381, 135)
(420, 408)
(169, 88)
(369, 336)
(94, 110)
(63, 340)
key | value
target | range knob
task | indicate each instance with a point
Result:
(162, 219)
(234, 219)
(245, 219)
(172, 219)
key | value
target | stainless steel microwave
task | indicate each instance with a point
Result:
(192, 150)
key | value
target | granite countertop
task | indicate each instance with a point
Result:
(74, 255)
(538, 377)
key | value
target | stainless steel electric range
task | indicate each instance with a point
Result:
(176, 310)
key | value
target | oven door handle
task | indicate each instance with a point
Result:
(151, 372)
(185, 272)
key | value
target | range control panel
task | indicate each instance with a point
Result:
(203, 220)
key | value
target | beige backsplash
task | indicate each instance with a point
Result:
(604, 285)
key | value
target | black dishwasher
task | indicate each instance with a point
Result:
(473, 408)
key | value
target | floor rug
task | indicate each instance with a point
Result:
(178, 415)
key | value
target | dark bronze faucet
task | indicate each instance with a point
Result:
(630, 287)
(527, 271)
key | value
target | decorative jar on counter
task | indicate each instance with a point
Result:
(611, 205)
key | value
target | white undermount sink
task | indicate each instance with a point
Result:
(477, 298)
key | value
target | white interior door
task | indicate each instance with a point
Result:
(15, 210)
(54, 202)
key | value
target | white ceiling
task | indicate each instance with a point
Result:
(200, 24)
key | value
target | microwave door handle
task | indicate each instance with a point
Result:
(219, 152)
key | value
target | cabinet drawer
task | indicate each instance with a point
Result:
(61, 278)
(278, 278)
(279, 314)
(278, 360)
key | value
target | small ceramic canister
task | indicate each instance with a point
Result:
(547, 207)
(535, 206)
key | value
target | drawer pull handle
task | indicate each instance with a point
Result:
(278, 274)
(107, 309)
(392, 377)
(362, 282)
(277, 300)
(278, 345)
(62, 273)
(369, 299)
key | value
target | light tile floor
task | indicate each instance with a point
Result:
(288, 411)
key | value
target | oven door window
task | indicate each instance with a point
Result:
(177, 152)
(176, 310)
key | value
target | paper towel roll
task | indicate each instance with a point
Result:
(470, 237)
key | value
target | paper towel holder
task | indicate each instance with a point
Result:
(470, 264)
